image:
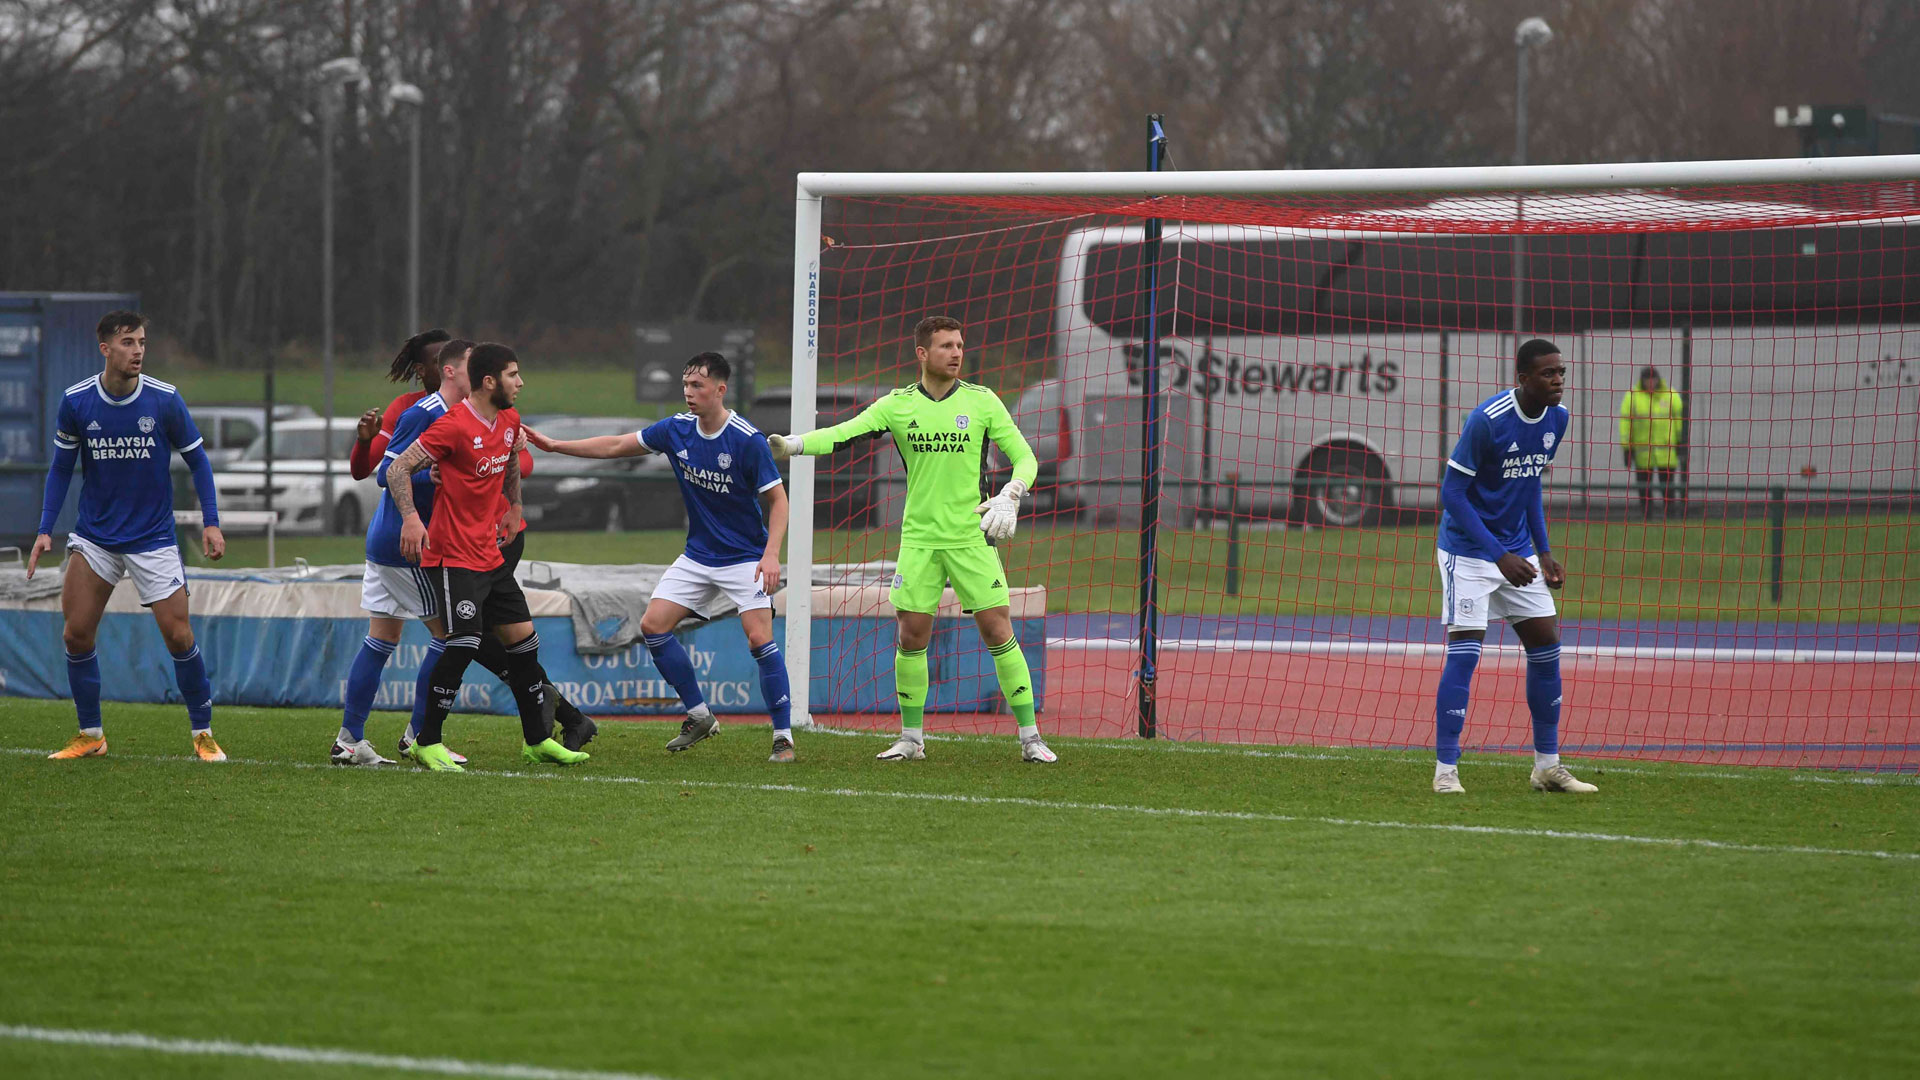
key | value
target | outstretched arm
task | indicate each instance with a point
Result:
(872, 420)
(600, 446)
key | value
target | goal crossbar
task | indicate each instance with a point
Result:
(813, 187)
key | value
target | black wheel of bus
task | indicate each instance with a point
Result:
(1344, 488)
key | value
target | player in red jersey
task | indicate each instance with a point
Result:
(418, 359)
(476, 447)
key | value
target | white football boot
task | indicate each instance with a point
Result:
(357, 753)
(1447, 782)
(904, 750)
(1558, 778)
(1033, 748)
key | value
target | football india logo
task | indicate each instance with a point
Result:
(960, 421)
(1547, 440)
(146, 425)
(725, 460)
(465, 609)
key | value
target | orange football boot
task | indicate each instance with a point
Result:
(208, 750)
(82, 745)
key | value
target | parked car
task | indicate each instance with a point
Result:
(230, 429)
(847, 482)
(615, 494)
(300, 452)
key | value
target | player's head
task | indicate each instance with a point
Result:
(703, 385)
(123, 341)
(448, 372)
(416, 359)
(493, 371)
(1540, 371)
(1649, 379)
(940, 345)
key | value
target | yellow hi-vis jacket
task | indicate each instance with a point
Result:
(1650, 426)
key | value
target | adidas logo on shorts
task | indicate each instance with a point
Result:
(995, 585)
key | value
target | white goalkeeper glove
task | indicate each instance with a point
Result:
(1000, 514)
(783, 446)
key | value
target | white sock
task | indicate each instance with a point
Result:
(1441, 768)
(91, 732)
(345, 738)
(1544, 762)
(1029, 731)
(913, 734)
(700, 711)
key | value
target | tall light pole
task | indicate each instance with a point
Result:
(1530, 33)
(335, 75)
(410, 96)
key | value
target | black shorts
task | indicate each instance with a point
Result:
(473, 601)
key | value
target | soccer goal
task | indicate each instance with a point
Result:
(1243, 386)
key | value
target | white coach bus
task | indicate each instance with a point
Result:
(1329, 373)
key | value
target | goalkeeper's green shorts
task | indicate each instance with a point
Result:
(975, 572)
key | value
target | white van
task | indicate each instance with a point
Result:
(1326, 375)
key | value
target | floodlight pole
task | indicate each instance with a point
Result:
(334, 76)
(1530, 32)
(1150, 453)
(409, 95)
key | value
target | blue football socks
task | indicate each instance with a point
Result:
(1450, 704)
(773, 685)
(363, 682)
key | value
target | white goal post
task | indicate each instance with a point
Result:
(814, 187)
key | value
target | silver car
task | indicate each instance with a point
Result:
(299, 481)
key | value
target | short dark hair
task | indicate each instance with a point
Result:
(454, 347)
(931, 325)
(488, 359)
(414, 353)
(1531, 351)
(712, 365)
(114, 323)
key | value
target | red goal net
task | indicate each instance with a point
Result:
(1734, 502)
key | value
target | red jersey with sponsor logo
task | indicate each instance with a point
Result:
(472, 455)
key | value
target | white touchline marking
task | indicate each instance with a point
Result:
(302, 1055)
(1058, 804)
(1387, 756)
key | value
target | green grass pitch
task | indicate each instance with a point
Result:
(1137, 910)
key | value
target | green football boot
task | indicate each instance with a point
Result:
(551, 751)
(436, 757)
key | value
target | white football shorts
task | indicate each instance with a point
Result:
(156, 574)
(1473, 591)
(698, 588)
(397, 592)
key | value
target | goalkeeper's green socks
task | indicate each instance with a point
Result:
(1016, 683)
(910, 684)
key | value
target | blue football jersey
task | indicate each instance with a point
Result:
(721, 478)
(1503, 452)
(125, 445)
(383, 532)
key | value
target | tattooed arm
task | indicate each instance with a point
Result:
(413, 532)
(510, 487)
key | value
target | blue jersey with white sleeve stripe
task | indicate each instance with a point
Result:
(721, 478)
(383, 532)
(125, 447)
(1503, 452)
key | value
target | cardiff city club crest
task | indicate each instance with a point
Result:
(960, 421)
(1547, 440)
(146, 425)
(725, 460)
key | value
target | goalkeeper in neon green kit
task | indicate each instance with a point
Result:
(942, 426)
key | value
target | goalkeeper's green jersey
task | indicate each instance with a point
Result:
(944, 446)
